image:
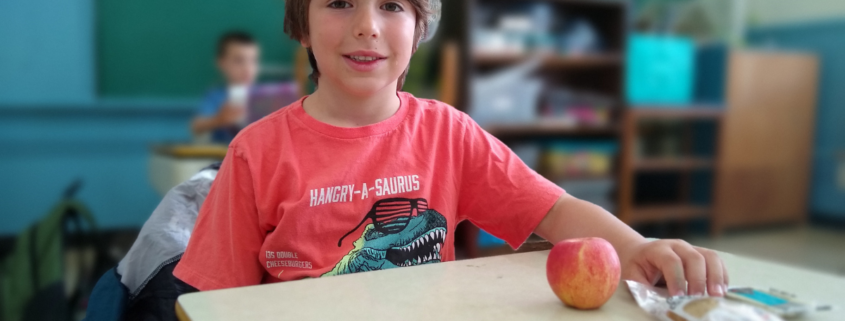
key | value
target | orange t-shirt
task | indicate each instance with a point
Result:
(299, 198)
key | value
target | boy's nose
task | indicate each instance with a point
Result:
(366, 25)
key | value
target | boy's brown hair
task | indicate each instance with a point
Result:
(233, 37)
(296, 26)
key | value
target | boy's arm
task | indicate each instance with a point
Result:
(573, 218)
(227, 115)
(225, 246)
(203, 124)
(642, 261)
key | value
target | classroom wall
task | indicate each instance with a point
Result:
(773, 12)
(44, 148)
(87, 87)
(824, 39)
(166, 48)
(54, 129)
(46, 51)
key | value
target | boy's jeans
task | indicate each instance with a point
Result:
(157, 301)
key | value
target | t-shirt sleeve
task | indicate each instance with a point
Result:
(498, 192)
(212, 103)
(227, 237)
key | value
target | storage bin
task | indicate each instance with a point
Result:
(660, 71)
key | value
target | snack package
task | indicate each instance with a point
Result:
(784, 304)
(694, 308)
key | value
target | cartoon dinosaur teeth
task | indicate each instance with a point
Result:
(420, 241)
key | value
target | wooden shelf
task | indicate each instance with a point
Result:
(578, 178)
(693, 112)
(601, 73)
(672, 164)
(547, 128)
(551, 60)
(662, 213)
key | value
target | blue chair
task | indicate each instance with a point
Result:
(108, 299)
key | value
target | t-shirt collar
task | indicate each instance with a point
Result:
(354, 132)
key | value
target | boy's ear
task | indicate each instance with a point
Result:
(305, 42)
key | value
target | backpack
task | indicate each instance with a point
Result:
(32, 277)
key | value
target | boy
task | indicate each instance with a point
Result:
(223, 110)
(359, 176)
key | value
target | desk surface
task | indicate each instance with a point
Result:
(510, 287)
(217, 151)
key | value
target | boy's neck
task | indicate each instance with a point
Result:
(339, 108)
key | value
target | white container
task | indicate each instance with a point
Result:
(510, 96)
(238, 97)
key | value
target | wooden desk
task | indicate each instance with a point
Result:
(510, 287)
(216, 151)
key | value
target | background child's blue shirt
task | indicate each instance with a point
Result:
(210, 106)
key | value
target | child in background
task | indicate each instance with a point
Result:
(223, 112)
(360, 176)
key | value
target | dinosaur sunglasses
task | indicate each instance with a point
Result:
(391, 215)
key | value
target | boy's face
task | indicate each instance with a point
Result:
(239, 63)
(361, 46)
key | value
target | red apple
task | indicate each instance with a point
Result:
(583, 273)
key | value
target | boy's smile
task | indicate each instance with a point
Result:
(364, 61)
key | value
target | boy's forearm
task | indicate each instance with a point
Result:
(201, 125)
(574, 218)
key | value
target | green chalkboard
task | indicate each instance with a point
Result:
(165, 48)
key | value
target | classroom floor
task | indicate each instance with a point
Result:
(811, 247)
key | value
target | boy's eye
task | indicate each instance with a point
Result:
(339, 5)
(392, 6)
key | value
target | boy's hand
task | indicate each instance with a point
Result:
(229, 115)
(646, 262)
(680, 264)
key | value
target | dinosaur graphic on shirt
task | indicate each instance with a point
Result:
(399, 240)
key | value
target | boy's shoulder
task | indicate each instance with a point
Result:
(428, 108)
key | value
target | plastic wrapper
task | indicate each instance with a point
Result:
(694, 308)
